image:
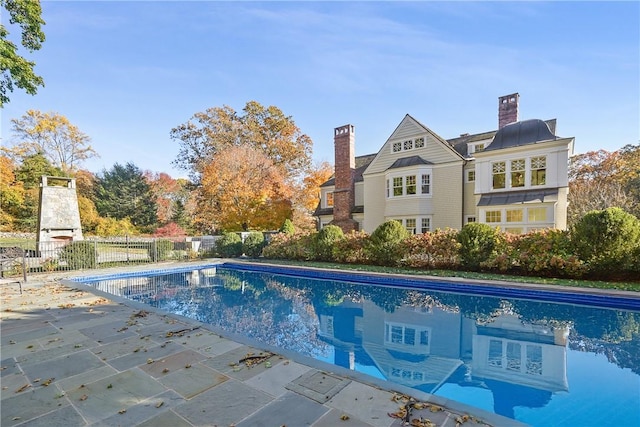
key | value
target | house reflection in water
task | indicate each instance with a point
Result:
(425, 347)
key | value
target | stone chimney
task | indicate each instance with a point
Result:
(508, 109)
(345, 163)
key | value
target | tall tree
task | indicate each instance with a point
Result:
(14, 68)
(602, 179)
(307, 195)
(123, 192)
(242, 189)
(266, 129)
(51, 134)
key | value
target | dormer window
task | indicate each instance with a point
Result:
(329, 200)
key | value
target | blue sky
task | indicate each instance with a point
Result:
(126, 73)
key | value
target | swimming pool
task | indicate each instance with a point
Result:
(508, 351)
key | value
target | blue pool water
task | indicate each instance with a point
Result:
(538, 362)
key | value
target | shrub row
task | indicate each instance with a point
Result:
(602, 245)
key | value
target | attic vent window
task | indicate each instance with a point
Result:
(419, 142)
(397, 146)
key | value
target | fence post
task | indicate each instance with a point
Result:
(127, 246)
(95, 253)
(155, 250)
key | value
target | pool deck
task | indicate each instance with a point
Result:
(73, 356)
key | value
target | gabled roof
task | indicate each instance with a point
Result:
(409, 161)
(361, 164)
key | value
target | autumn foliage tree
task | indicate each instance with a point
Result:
(601, 179)
(247, 166)
(243, 189)
(63, 144)
(266, 129)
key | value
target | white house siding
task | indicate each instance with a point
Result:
(447, 196)
(359, 193)
(469, 202)
(374, 201)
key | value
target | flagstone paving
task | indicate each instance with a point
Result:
(70, 357)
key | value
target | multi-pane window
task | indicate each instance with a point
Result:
(495, 353)
(537, 214)
(408, 185)
(471, 219)
(329, 200)
(410, 225)
(493, 216)
(425, 225)
(514, 358)
(517, 173)
(514, 215)
(397, 186)
(408, 144)
(406, 335)
(471, 175)
(479, 147)
(538, 170)
(426, 184)
(511, 356)
(411, 184)
(499, 170)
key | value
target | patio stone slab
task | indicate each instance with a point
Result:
(88, 377)
(166, 419)
(8, 366)
(173, 362)
(63, 367)
(66, 416)
(317, 385)
(43, 355)
(108, 332)
(21, 337)
(229, 362)
(224, 405)
(365, 402)
(31, 403)
(274, 380)
(24, 323)
(288, 410)
(143, 411)
(335, 418)
(121, 347)
(106, 397)
(142, 357)
(193, 381)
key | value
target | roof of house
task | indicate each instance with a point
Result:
(513, 134)
(521, 133)
(409, 161)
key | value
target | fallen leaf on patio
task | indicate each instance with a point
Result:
(23, 388)
(83, 398)
(165, 370)
(122, 411)
(47, 382)
(344, 417)
(149, 361)
(159, 404)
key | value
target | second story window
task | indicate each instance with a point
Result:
(517, 173)
(411, 184)
(426, 184)
(499, 170)
(538, 170)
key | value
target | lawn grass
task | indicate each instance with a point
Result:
(622, 286)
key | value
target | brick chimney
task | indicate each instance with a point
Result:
(345, 163)
(508, 109)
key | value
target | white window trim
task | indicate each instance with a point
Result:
(508, 186)
(404, 174)
(418, 329)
